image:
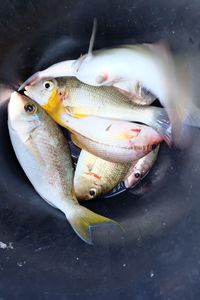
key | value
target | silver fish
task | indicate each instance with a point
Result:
(42, 151)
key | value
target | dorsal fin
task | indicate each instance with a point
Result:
(92, 39)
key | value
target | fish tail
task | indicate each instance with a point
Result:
(82, 220)
(162, 125)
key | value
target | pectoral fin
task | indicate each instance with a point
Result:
(76, 113)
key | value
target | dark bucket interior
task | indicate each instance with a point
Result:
(158, 254)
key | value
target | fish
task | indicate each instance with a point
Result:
(70, 96)
(44, 155)
(111, 140)
(95, 176)
(123, 67)
(140, 169)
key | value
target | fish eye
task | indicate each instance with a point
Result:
(137, 174)
(30, 108)
(153, 146)
(92, 192)
(48, 85)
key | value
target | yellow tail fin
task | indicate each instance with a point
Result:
(82, 220)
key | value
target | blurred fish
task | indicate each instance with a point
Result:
(65, 68)
(45, 158)
(71, 96)
(95, 176)
(141, 168)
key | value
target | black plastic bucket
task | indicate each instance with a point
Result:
(158, 255)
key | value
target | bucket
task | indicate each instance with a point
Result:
(157, 255)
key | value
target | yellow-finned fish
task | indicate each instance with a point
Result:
(69, 96)
(95, 176)
(42, 151)
(140, 169)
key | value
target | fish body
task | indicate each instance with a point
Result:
(69, 96)
(42, 151)
(140, 169)
(95, 176)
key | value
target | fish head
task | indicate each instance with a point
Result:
(46, 93)
(24, 115)
(148, 139)
(140, 168)
(135, 176)
(87, 186)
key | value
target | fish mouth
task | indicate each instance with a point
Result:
(27, 90)
(30, 81)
